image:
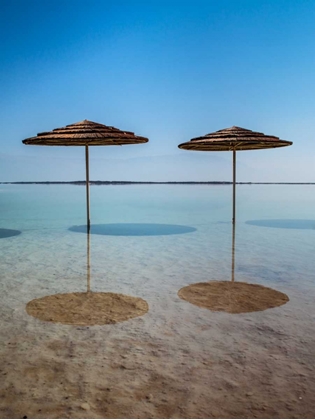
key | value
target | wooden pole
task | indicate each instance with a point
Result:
(87, 188)
(233, 217)
(234, 180)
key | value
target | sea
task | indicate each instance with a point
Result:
(149, 241)
(163, 235)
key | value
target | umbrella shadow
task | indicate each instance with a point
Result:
(133, 229)
(7, 233)
(284, 223)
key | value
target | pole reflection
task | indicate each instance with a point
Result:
(233, 251)
(88, 260)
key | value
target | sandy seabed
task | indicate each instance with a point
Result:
(175, 361)
(87, 309)
(232, 297)
(185, 363)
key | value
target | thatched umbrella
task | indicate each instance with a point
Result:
(234, 139)
(85, 133)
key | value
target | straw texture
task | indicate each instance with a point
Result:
(234, 138)
(85, 133)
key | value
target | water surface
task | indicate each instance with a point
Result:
(177, 359)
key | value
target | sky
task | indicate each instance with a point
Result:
(167, 70)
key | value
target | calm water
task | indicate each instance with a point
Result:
(149, 242)
(162, 235)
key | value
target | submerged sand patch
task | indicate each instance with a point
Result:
(232, 297)
(87, 308)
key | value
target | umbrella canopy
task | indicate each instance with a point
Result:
(85, 133)
(233, 139)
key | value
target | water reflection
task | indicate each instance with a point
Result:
(7, 233)
(134, 229)
(230, 296)
(284, 223)
(89, 308)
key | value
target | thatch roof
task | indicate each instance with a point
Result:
(85, 133)
(234, 138)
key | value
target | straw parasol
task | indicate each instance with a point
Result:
(85, 133)
(234, 139)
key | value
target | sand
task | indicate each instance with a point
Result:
(176, 361)
(232, 297)
(87, 308)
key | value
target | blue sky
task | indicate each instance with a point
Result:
(167, 70)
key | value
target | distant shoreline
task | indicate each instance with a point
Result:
(154, 183)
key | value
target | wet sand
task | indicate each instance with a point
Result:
(87, 309)
(232, 297)
(176, 361)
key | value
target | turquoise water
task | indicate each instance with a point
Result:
(150, 241)
(184, 236)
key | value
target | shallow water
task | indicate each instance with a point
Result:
(157, 230)
(150, 241)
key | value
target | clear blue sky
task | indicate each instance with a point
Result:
(168, 70)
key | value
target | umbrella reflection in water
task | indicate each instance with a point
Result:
(92, 308)
(87, 308)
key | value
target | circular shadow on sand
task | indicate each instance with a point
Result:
(232, 297)
(87, 309)
(134, 229)
(7, 233)
(284, 223)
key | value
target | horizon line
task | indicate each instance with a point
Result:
(154, 182)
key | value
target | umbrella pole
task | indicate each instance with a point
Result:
(87, 188)
(233, 218)
(234, 179)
